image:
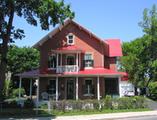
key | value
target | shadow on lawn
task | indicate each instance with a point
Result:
(25, 113)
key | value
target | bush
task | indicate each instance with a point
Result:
(15, 92)
(107, 103)
(29, 103)
(153, 90)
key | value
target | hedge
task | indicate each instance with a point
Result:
(135, 102)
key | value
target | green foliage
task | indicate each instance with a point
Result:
(153, 90)
(105, 104)
(140, 59)
(22, 59)
(15, 92)
(44, 13)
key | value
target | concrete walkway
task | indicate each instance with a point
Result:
(109, 116)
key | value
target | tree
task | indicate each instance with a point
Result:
(42, 12)
(140, 59)
(22, 59)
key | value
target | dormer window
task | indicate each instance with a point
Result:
(70, 39)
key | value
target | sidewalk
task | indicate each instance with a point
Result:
(108, 116)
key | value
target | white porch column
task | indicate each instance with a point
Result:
(98, 88)
(57, 61)
(38, 85)
(61, 59)
(20, 82)
(76, 88)
(119, 83)
(57, 88)
(77, 61)
(30, 89)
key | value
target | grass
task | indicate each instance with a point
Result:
(89, 112)
(30, 113)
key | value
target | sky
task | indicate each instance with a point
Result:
(105, 18)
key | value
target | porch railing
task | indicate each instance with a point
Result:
(67, 68)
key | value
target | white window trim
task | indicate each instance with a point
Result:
(50, 68)
(92, 59)
(68, 39)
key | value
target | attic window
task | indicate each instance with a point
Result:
(70, 39)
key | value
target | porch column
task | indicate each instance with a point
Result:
(57, 88)
(98, 89)
(77, 61)
(38, 84)
(119, 83)
(57, 61)
(20, 82)
(30, 89)
(76, 88)
(61, 59)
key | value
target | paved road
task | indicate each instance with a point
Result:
(139, 118)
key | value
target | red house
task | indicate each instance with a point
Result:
(76, 64)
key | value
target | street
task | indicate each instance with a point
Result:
(139, 118)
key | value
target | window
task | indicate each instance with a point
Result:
(70, 39)
(52, 87)
(89, 89)
(52, 61)
(88, 60)
(70, 60)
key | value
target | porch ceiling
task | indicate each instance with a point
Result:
(29, 74)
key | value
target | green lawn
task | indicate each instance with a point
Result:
(27, 113)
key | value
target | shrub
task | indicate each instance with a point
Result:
(153, 90)
(107, 103)
(29, 103)
(15, 92)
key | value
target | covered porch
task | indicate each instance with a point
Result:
(86, 84)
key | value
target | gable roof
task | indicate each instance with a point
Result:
(114, 47)
(59, 28)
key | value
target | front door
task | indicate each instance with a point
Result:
(70, 89)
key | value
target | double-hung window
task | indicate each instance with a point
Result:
(88, 60)
(52, 61)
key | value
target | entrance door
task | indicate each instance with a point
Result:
(111, 86)
(70, 89)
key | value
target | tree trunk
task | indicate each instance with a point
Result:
(5, 40)
(3, 63)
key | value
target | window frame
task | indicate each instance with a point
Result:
(89, 93)
(88, 67)
(52, 68)
(51, 86)
(68, 43)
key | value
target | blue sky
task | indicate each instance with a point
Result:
(105, 18)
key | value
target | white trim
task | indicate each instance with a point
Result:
(20, 82)
(70, 34)
(30, 89)
(119, 85)
(92, 58)
(57, 88)
(38, 84)
(98, 88)
(76, 88)
(57, 60)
